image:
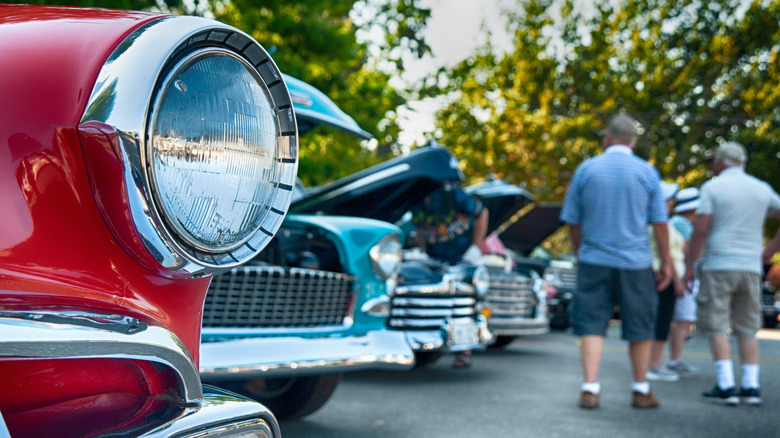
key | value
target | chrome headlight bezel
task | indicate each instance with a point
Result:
(386, 256)
(125, 99)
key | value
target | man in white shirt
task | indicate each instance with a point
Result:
(728, 237)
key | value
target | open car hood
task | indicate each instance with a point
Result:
(313, 108)
(532, 228)
(385, 191)
(502, 200)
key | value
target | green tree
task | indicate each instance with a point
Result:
(693, 73)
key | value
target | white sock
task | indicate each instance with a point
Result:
(725, 370)
(673, 362)
(643, 387)
(592, 387)
(749, 375)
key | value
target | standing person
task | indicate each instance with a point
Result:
(728, 237)
(447, 224)
(611, 200)
(667, 298)
(687, 201)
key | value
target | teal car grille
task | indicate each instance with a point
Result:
(276, 297)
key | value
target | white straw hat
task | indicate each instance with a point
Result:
(687, 199)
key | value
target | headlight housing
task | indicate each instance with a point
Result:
(206, 143)
(386, 256)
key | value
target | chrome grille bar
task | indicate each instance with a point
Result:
(272, 296)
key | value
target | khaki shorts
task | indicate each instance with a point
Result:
(729, 299)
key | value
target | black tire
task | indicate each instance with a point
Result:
(770, 322)
(425, 358)
(502, 341)
(288, 397)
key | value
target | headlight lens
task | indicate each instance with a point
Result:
(212, 151)
(386, 256)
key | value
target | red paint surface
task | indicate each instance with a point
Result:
(56, 250)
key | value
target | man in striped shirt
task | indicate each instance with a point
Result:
(611, 200)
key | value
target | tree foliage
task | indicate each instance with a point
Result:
(693, 73)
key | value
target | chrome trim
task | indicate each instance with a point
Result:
(4, 433)
(519, 326)
(442, 287)
(439, 339)
(284, 356)
(434, 302)
(430, 313)
(122, 97)
(52, 335)
(220, 411)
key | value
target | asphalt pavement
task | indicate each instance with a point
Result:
(530, 389)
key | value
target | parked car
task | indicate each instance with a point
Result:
(141, 154)
(440, 308)
(560, 276)
(282, 328)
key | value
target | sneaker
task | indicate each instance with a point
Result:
(721, 396)
(683, 369)
(589, 400)
(750, 396)
(662, 373)
(643, 401)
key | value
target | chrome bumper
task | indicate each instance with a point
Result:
(284, 356)
(519, 326)
(442, 339)
(221, 413)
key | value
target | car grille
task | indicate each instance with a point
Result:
(567, 276)
(511, 296)
(428, 311)
(272, 296)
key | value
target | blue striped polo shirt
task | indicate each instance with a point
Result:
(613, 197)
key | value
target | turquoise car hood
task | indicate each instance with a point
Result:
(313, 108)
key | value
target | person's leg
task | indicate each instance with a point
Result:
(679, 331)
(639, 352)
(656, 352)
(591, 352)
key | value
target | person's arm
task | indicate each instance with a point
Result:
(575, 233)
(701, 227)
(773, 246)
(665, 275)
(479, 232)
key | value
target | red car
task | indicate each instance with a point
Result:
(141, 154)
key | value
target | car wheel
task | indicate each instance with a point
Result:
(288, 397)
(502, 341)
(770, 322)
(425, 358)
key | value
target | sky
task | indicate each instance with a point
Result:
(453, 32)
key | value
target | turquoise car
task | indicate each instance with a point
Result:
(282, 328)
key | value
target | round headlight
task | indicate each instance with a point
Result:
(212, 150)
(386, 256)
(206, 140)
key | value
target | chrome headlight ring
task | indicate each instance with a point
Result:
(207, 141)
(386, 256)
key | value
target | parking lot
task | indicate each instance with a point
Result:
(530, 389)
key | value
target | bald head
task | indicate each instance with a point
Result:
(621, 129)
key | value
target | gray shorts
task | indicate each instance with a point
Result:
(729, 299)
(600, 289)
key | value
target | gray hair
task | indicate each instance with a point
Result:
(622, 128)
